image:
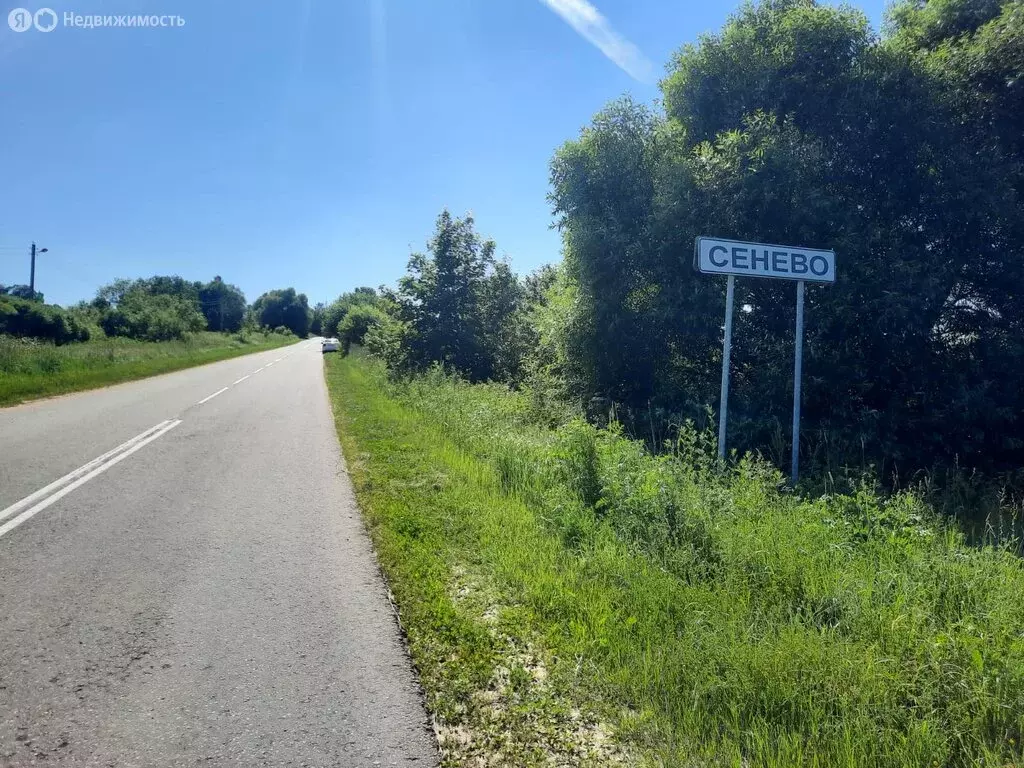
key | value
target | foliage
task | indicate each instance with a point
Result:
(223, 305)
(795, 124)
(316, 323)
(21, 292)
(284, 308)
(507, 336)
(159, 308)
(160, 317)
(459, 307)
(32, 318)
(438, 301)
(358, 321)
(159, 285)
(712, 618)
(335, 312)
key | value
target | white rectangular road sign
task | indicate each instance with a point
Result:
(732, 257)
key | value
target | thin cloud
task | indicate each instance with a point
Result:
(593, 27)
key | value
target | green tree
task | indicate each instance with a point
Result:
(222, 304)
(360, 320)
(973, 50)
(21, 292)
(795, 124)
(316, 325)
(158, 285)
(157, 308)
(506, 334)
(335, 312)
(160, 317)
(603, 196)
(438, 303)
(284, 308)
(459, 307)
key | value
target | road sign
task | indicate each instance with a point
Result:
(733, 257)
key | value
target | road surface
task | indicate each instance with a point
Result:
(196, 588)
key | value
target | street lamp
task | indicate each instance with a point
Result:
(32, 274)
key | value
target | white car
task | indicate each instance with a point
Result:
(330, 345)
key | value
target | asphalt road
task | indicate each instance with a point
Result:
(205, 595)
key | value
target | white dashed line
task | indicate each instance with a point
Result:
(93, 468)
(240, 380)
(208, 399)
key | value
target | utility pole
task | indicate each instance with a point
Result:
(32, 274)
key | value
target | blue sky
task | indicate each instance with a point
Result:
(309, 143)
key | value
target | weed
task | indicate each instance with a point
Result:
(31, 368)
(705, 614)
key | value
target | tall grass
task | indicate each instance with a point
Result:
(30, 368)
(722, 620)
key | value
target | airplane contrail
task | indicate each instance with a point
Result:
(595, 28)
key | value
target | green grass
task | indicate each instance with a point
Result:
(561, 585)
(31, 369)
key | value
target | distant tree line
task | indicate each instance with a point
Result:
(795, 124)
(159, 308)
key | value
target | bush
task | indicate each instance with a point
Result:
(750, 625)
(357, 323)
(335, 312)
(159, 317)
(21, 317)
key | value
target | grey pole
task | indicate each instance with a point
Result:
(32, 274)
(797, 370)
(723, 407)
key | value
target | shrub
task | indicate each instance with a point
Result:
(357, 323)
(21, 317)
(335, 312)
(751, 625)
(159, 317)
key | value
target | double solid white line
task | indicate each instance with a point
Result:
(58, 489)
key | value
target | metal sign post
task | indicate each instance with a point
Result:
(726, 352)
(732, 258)
(797, 371)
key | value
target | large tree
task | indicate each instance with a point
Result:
(457, 306)
(438, 300)
(284, 308)
(796, 125)
(222, 304)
